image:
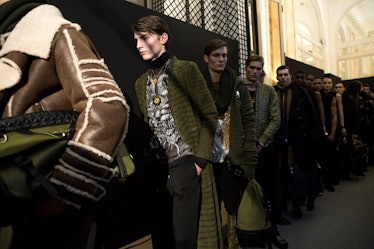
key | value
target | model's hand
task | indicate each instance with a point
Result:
(260, 146)
(330, 138)
(344, 132)
(198, 169)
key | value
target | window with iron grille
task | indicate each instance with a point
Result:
(225, 17)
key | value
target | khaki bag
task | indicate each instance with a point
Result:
(30, 145)
(252, 220)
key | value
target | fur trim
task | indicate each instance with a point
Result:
(91, 149)
(77, 206)
(96, 70)
(80, 178)
(86, 82)
(34, 33)
(10, 73)
(92, 164)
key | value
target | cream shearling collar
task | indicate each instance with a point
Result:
(33, 35)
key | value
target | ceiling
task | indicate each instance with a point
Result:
(342, 28)
(360, 16)
(363, 17)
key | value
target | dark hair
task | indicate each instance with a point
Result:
(283, 67)
(306, 76)
(152, 24)
(367, 85)
(354, 87)
(254, 58)
(338, 83)
(213, 45)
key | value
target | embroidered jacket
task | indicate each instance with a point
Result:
(47, 63)
(242, 132)
(267, 110)
(191, 105)
(195, 116)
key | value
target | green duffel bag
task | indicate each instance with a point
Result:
(252, 218)
(30, 146)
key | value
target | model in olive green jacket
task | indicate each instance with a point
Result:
(195, 124)
(242, 148)
(195, 116)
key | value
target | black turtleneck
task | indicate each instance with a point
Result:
(160, 61)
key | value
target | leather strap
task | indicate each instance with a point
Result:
(27, 165)
(36, 120)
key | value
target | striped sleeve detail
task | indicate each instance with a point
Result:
(86, 167)
(77, 184)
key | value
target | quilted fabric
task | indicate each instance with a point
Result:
(36, 120)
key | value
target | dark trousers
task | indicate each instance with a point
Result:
(304, 184)
(184, 186)
(229, 187)
(161, 205)
(268, 176)
(69, 230)
(332, 176)
(328, 162)
(285, 175)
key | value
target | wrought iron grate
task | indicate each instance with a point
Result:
(224, 17)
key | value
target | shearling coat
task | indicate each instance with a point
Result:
(195, 116)
(47, 63)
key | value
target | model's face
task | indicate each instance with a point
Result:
(300, 79)
(316, 85)
(150, 46)
(365, 89)
(327, 85)
(254, 71)
(339, 88)
(217, 60)
(308, 80)
(283, 77)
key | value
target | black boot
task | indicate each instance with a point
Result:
(279, 241)
(296, 212)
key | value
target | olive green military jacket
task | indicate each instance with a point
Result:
(195, 116)
(191, 105)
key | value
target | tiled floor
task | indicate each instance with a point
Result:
(146, 242)
(326, 227)
(143, 243)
